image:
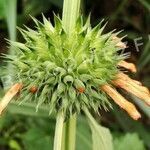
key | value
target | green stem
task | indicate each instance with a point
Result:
(71, 11)
(69, 134)
(58, 131)
(11, 17)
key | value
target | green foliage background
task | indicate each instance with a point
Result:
(23, 129)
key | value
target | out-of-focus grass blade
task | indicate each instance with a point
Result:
(145, 57)
(142, 105)
(10, 8)
(145, 3)
(10, 14)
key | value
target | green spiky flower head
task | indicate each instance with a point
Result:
(65, 71)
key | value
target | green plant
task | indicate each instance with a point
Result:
(132, 140)
(70, 67)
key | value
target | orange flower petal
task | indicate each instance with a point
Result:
(122, 102)
(129, 66)
(125, 77)
(121, 45)
(126, 83)
(9, 95)
(134, 83)
(137, 82)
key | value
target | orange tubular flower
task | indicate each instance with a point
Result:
(122, 102)
(129, 66)
(126, 83)
(9, 95)
(132, 86)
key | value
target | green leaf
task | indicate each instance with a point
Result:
(84, 140)
(129, 125)
(129, 141)
(37, 139)
(101, 136)
(28, 109)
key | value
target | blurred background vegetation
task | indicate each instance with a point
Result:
(23, 129)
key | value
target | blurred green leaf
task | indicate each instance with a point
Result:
(129, 125)
(84, 140)
(13, 144)
(145, 56)
(2, 10)
(35, 7)
(131, 35)
(37, 139)
(10, 7)
(28, 109)
(2, 122)
(101, 136)
(144, 107)
(145, 3)
(11, 15)
(128, 142)
(146, 80)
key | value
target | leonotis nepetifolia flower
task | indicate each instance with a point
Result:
(71, 71)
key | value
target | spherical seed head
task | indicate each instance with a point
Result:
(66, 68)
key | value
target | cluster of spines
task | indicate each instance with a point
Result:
(65, 71)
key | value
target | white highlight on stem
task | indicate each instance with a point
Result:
(58, 131)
